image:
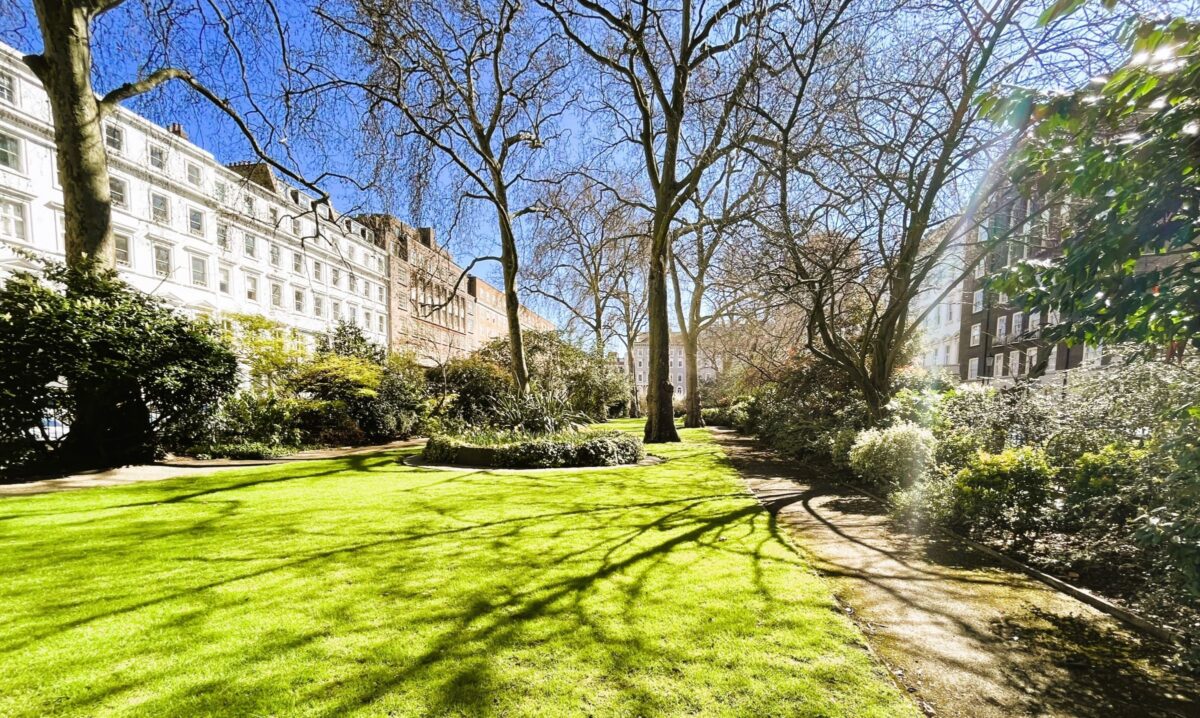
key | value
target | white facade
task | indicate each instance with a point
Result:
(941, 326)
(208, 238)
(678, 376)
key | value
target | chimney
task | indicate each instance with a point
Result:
(177, 129)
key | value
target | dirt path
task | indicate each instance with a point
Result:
(179, 467)
(968, 639)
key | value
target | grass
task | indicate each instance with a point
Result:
(361, 586)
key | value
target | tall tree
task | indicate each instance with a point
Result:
(663, 66)
(630, 307)
(869, 200)
(476, 82)
(722, 208)
(66, 69)
(577, 255)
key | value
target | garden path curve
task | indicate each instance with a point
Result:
(176, 468)
(966, 637)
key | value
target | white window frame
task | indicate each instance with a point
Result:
(976, 334)
(1001, 328)
(977, 301)
(193, 213)
(18, 154)
(166, 219)
(112, 132)
(297, 263)
(223, 241)
(9, 89)
(225, 277)
(194, 261)
(299, 301)
(1014, 363)
(250, 245)
(156, 247)
(114, 182)
(198, 180)
(156, 150)
(18, 219)
(276, 295)
(251, 282)
(1018, 323)
(117, 236)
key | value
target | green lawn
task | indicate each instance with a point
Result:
(363, 587)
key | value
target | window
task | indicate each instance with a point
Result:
(977, 301)
(380, 322)
(317, 270)
(199, 271)
(121, 242)
(1003, 298)
(158, 157)
(194, 176)
(298, 300)
(160, 208)
(196, 222)
(12, 220)
(1030, 359)
(222, 191)
(1001, 369)
(275, 217)
(118, 190)
(297, 263)
(248, 203)
(276, 295)
(976, 334)
(162, 260)
(1018, 324)
(353, 284)
(973, 368)
(8, 88)
(367, 318)
(10, 152)
(276, 255)
(979, 268)
(1014, 363)
(1001, 328)
(114, 138)
(223, 235)
(1035, 321)
(318, 306)
(223, 280)
(335, 276)
(296, 226)
(335, 309)
(251, 287)
(1052, 362)
(379, 292)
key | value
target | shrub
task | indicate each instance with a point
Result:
(260, 419)
(123, 373)
(353, 400)
(245, 450)
(474, 385)
(514, 450)
(927, 503)
(799, 414)
(895, 456)
(536, 413)
(1004, 493)
(736, 415)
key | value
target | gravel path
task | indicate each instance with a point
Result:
(179, 467)
(967, 638)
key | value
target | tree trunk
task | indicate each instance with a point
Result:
(635, 402)
(512, 305)
(65, 68)
(694, 419)
(660, 423)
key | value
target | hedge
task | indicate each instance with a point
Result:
(608, 448)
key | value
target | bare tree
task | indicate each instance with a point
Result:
(661, 69)
(475, 82)
(718, 212)
(577, 255)
(630, 307)
(870, 194)
(65, 67)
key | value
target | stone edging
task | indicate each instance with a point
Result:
(1097, 602)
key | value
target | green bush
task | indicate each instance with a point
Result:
(736, 415)
(354, 400)
(121, 372)
(536, 414)
(800, 414)
(895, 456)
(245, 450)
(473, 387)
(514, 450)
(1002, 494)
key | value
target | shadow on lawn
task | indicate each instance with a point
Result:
(561, 571)
(1055, 663)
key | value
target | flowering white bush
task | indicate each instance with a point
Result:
(897, 455)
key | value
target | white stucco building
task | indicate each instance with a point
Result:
(705, 366)
(209, 238)
(940, 327)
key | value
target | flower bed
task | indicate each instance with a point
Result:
(518, 451)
